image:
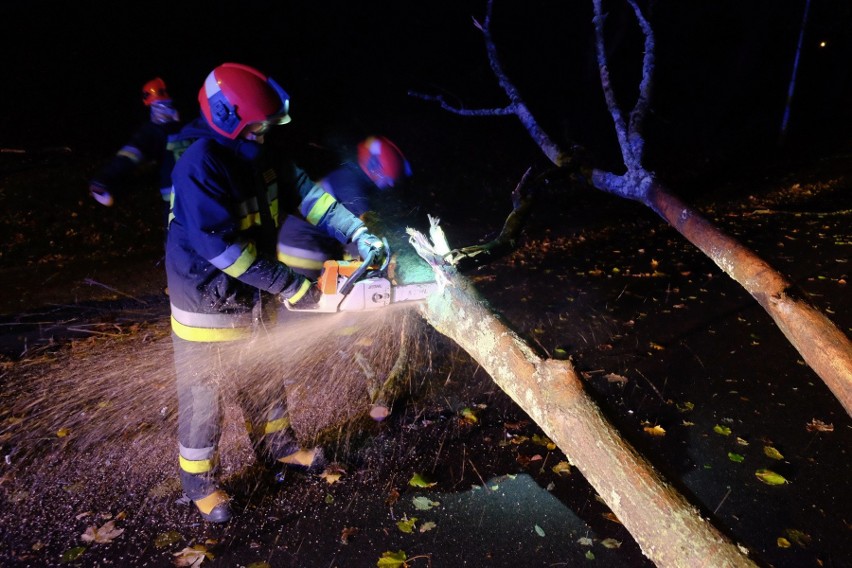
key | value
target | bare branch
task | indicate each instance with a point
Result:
(522, 198)
(463, 111)
(609, 95)
(516, 104)
(637, 115)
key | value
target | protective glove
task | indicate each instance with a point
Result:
(368, 243)
(307, 298)
(101, 194)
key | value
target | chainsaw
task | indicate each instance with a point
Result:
(355, 286)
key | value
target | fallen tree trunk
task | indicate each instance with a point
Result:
(823, 346)
(667, 528)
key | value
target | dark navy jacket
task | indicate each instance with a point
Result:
(148, 144)
(220, 251)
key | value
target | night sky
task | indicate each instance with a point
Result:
(72, 70)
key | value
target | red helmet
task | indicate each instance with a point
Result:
(235, 95)
(154, 91)
(382, 161)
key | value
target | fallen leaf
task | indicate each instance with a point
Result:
(800, 538)
(655, 430)
(723, 430)
(167, 539)
(819, 426)
(392, 559)
(585, 541)
(769, 477)
(419, 480)
(72, 554)
(742, 442)
(685, 407)
(406, 525)
(562, 468)
(783, 542)
(590, 555)
(543, 441)
(469, 415)
(62, 432)
(347, 533)
(523, 460)
(424, 503)
(192, 557)
(332, 474)
(427, 526)
(539, 531)
(613, 378)
(392, 498)
(772, 453)
(738, 458)
(103, 535)
(611, 543)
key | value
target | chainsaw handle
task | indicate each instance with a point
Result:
(387, 254)
(365, 265)
(358, 273)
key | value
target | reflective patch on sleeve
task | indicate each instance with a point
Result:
(249, 213)
(171, 206)
(131, 153)
(303, 289)
(296, 257)
(236, 259)
(318, 208)
(273, 210)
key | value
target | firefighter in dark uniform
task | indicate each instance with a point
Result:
(358, 186)
(222, 267)
(149, 144)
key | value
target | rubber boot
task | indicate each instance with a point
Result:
(212, 502)
(310, 460)
(214, 508)
(282, 449)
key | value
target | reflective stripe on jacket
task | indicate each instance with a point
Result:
(220, 251)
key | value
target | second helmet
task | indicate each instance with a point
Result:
(382, 161)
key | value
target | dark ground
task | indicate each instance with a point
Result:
(662, 336)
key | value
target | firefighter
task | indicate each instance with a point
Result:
(149, 144)
(222, 270)
(380, 166)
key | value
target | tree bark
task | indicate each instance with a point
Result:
(666, 527)
(822, 345)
